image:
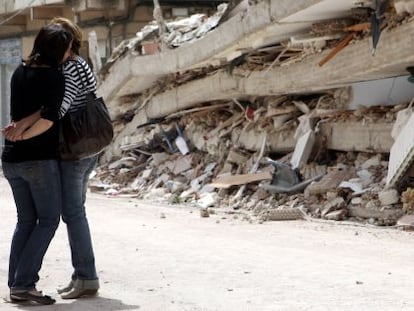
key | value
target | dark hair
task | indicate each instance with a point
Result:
(50, 46)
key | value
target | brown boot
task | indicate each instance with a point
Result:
(65, 289)
(82, 288)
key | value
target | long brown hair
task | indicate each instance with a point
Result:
(73, 29)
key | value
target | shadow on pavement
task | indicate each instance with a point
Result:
(84, 304)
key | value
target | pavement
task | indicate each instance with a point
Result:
(153, 256)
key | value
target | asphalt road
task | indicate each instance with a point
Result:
(184, 262)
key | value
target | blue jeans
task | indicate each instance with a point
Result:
(37, 193)
(75, 175)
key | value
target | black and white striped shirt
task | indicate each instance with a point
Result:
(79, 80)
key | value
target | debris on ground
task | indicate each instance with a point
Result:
(275, 157)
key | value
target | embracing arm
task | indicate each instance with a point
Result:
(39, 127)
(73, 86)
(14, 130)
(34, 124)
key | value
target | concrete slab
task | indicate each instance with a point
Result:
(358, 136)
(245, 31)
(402, 154)
(303, 149)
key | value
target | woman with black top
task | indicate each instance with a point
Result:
(79, 80)
(30, 164)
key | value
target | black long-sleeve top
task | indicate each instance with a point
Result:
(33, 89)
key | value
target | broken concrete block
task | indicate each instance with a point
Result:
(388, 197)
(406, 221)
(182, 145)
(181, 165)
(237, 157)
(174, 186)
(330, 181)
(260, 194)
(146, 173)
(306, 124)
(303, 149)
(365, 177)
(336, 215)
(400, 121)
(204, 212)
(158, 158)
(352, 184)
(207, 189)
(155, 194)
(333, 205)
(374, 161)
(187, 193)
(402, 154)
(188, 174)
(164, 177)
(207, 199)
(357, 136)
(226, 170)
(368, 213)
(277, 141)
(197, 182)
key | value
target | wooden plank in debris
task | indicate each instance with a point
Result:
(341, 45)
(402, 154)
(241, 179)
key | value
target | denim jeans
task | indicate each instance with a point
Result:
(75, 175)
(37, 193)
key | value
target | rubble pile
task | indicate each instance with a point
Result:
(241, 155)
(148, 41)
(301, 155)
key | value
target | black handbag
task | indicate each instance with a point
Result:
(86, 131)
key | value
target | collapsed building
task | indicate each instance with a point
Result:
(287, 110)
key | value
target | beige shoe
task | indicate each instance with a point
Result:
(82, 288)
(65, 289)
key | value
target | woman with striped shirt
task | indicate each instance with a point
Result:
(79, 80)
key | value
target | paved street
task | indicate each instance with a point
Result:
(185, 262)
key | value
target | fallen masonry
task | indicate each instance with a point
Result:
(346, 165)
(257, 109)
